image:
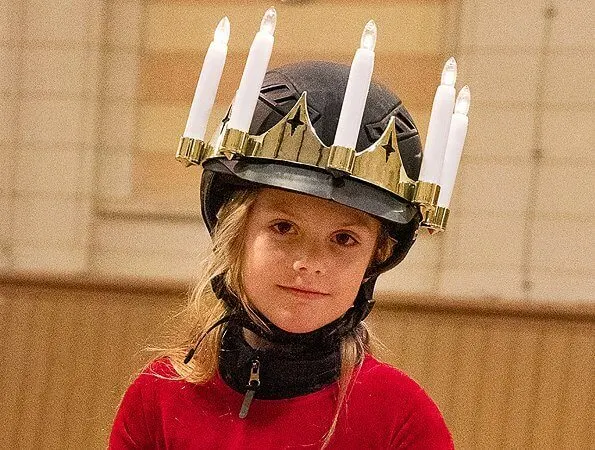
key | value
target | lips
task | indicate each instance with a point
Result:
(303, 291)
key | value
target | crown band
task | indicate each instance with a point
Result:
(234, 142)
(294, 139)
(190, 151)
(436, 219)
(341, 159)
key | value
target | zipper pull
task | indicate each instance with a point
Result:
(253, 384)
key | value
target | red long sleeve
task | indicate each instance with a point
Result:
(385, 409)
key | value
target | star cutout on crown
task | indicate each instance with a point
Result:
(389, 147)
(295, 120)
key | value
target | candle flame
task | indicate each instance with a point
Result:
(463, 101)
(222, 31)
(269, 21)
(369, 34)
(449, 73)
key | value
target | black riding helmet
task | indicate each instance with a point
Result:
(325, 83)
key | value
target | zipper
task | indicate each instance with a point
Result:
(253, 384)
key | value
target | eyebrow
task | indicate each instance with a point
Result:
(282, 208)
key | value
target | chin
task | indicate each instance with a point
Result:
(296, 326)
(299, 330)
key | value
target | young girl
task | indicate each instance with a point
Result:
(276, 354)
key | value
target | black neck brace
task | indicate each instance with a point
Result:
(286, 370)
(293, 364)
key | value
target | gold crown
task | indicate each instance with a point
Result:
(294, 139)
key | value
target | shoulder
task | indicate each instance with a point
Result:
(377, 377)
(412, 417)
(156, 386)
(135, 419)
(157, 376)
(156, 373)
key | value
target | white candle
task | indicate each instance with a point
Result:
(253, 76)
(454, 147)
(440, 117)
(357, 89)
(208, 83)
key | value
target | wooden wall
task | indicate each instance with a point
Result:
(504, 375)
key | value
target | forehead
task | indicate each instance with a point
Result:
(307, 206)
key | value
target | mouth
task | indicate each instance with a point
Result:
(301, 292)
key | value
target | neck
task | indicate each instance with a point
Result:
(285, 370)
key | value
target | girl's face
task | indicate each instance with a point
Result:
(305, 258)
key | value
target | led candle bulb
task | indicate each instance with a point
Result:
(253, 76)
(269, 21)
(368, 40)
(449, 72)
(454, 146)
(439, 126)
(208, 83)
(357, 89)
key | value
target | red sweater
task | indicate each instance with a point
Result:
(385, 409)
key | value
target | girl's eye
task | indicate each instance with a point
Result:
(282, 227)
(345, 239)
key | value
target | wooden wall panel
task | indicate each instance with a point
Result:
(442, 366)
(16, 349)
(578, 427)
(518, 422)
(551, 386)
(32, 381)
(468, 384)
(502, 380)
(495, 366)
(55, 431)
(69, 355)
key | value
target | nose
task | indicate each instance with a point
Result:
(310, 260)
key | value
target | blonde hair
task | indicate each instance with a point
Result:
(203, 309)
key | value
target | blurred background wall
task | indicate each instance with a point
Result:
(100, 230)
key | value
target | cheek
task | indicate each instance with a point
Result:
(351, 277)
(261, 260)
(348, 272)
